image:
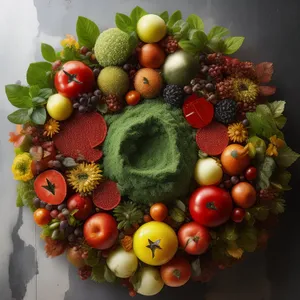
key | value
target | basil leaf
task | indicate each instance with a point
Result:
(136, 14)
(30, 111)
(165, 16)
(18, 95)
(39, 115)
(48, 52)
(286, 157)
(280, 121)
(176, 16)
(181, 30)
(199, 39)
(232, 44)
(195, 22)
(45, 93)
(188, 46)
(34, 91)
(265, 172)
(37, 101)
(133, 40)
(124, 23)
(217, 45)
(39, 74)
(217, 32)
(20, 116)
(87, 32)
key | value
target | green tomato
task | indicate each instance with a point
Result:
(151, 282)
(151, 28)
(208, 171)
(59, 107)
(123, 264)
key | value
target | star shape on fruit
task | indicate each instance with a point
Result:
(153, 246)
(49, 187)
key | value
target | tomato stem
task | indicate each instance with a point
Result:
(211, 205)
(177, 273)
(72, 77)
(195, 239)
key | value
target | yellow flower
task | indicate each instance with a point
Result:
(245, 90)
(51, 128)
(237, 132)
(69, 42)
(275, 144)
(85, 177)
(21, 167)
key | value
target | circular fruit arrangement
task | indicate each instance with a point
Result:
(146, 156)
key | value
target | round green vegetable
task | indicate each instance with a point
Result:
(150, 152)
(113, 80)
(112, 47)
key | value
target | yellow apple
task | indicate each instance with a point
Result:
(59, 107)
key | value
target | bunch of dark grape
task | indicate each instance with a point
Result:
(87, 102)
(203, 87)
(131, 69)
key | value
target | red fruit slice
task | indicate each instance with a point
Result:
(51, 187)
(198, 112)
(213, 138)
(107, 196)
(80, 134)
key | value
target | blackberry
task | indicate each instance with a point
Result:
(225, 111)
(173, 95)
(87, 102)
(114, 103)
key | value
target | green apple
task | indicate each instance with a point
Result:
(59, 107)
(208, 171)
(151, 28)
(150, 281)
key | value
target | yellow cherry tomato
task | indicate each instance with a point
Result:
(59, 107)
(155, 243)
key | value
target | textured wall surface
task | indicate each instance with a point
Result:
(271, 28)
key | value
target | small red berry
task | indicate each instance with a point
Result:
(238, 215)
(251, 173)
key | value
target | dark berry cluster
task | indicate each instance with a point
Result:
(87, 102)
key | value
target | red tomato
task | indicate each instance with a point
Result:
(158, 212)
(133, 97)
(176, 272)
(42, 216)
(210, 206)
(100, 231)
(73, 79)
(194, 238)
(251, 173)
(83, 204)
(238, 215)
(51, 187)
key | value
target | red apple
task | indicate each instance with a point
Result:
(100, 231)
(83, 204)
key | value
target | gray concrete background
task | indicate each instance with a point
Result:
(271, 28)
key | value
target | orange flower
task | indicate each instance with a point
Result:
(275, 144)
(69, 42)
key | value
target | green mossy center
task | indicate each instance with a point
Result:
(150, 152)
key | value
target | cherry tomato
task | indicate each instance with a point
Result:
(73, 79)
(238, 215)
(158, 212)
(51, 187)
(42, 216)
(84, 205)
(176, 272)
(251, 173)
(244, 194)
(133, 97)
(210, 206)
(194, 238)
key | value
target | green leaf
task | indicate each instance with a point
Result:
(230, 233)
(45, 93)
(217, 45)
(280, 121)
(286, 157)
(37, 101)
(136, 280)
(92, 259)
(277, 108)
(281, 179)
(181, 30)
(199, 39)
(18, 95)
(20, 116)
(46, 231)
(34, 91)
(188, 46)
(133, 40)
(19, 201)
(124, 23)
(48, 52)
(196, 267)
(102, 108)
(109, 276)
(232, 44)
(70, 53)
(87, 32)
(195, 22)
(39, 74)
(217, 32)
(136, 14)
(27, 199)
(176, 16)
(248, 239)
(278, 206)
(265, 171)
(69, 162)
(165, 16)
(39, 115)
(260, 212)
(98, 273)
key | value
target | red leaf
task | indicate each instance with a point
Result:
(264, 72)
(267, 90)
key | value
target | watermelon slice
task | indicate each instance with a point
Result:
(213, 138)
(107, 196)
(80, 134)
